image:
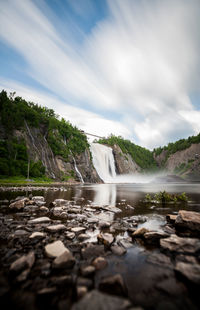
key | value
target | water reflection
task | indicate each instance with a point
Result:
(105, 194)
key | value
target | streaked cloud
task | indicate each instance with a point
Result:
(140, 62)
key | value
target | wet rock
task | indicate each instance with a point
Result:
(189, 271)
(70, 235)
(186, 259)
(62, 280)
(81, 291)
(188, 221)
(44, 209)
(153, 237)
(23, 275)
(180, 245)
(118, 250)
(55, 249)
(87, 271)
(92, 251)
(100, 263)
(159, 259)
(65, 260)
(92, 220)
(83, 237)
(169, 230)
(19, 204)
(40, 220)
(100, 301)
(139, 233)
(56, 228)
(107, 239)
(78, 230)
(37, 235)
(24, 262)
(103, 224)
(112, 209)
(125, 243)
(20, 233)
(38, 198)
(113, 285)
(171, 218)
(84, 282)
(46, 292)
(31, 208)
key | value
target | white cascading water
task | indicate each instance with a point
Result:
(104, 162)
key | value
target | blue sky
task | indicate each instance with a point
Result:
(125, 67)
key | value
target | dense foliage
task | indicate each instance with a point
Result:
(63, 138)
(179, 145)
(142, 157)
(165, 197)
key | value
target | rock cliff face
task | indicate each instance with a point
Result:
(124, 162)
(185, 163)
(56, 167)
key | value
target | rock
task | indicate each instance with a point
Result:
(65, 260)
(189, 271)
(70, 235)
(169, 230)
(125, 243)
(171, 218)
(112, 209)
(186, 259)
(188, 221)
(180, 245)
(92, 251)
(100, 263)
(153, 237)
(113, 285)
(81, 291)
(139, 233)
(100, 301)
(47, 291)
(107, 239)
(103, 224)
(18, 205)
(84, 282)
(37, 235)
(56, 228)
(118, 250)
(40, 220)
(38, 198)
(23, 275)
(87, 271)
(24, 262)
(159, 259)
(62, 280)
(92, 220)
(83, 237)
(20, 233)
(55, 249)
(44, 209)
(78, 230)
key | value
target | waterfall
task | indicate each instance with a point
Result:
(104, 162)
(77, 171)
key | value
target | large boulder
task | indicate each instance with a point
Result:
(99, 301)
(189, 271)
(180, 245)
(188, 222)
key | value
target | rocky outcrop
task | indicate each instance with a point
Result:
(185, 163)
(124, 162)
(56, 167)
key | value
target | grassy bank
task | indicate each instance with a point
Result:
(24, 181)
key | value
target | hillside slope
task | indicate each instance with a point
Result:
(33, 136)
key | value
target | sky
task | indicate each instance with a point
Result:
(125, 67)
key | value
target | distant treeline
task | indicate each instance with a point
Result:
(63, 138)
(142, 157)
(179, 145)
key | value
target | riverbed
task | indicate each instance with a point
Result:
(147, 275)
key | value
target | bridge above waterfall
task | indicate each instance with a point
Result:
(90, 134)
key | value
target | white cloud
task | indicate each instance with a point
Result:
(142, 62)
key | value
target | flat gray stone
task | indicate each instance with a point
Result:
(55, 249)
(40, 220)
(37, 235)
(65, 260)
(56, 228)
(77, 230)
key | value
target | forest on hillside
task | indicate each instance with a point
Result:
(15, 112)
